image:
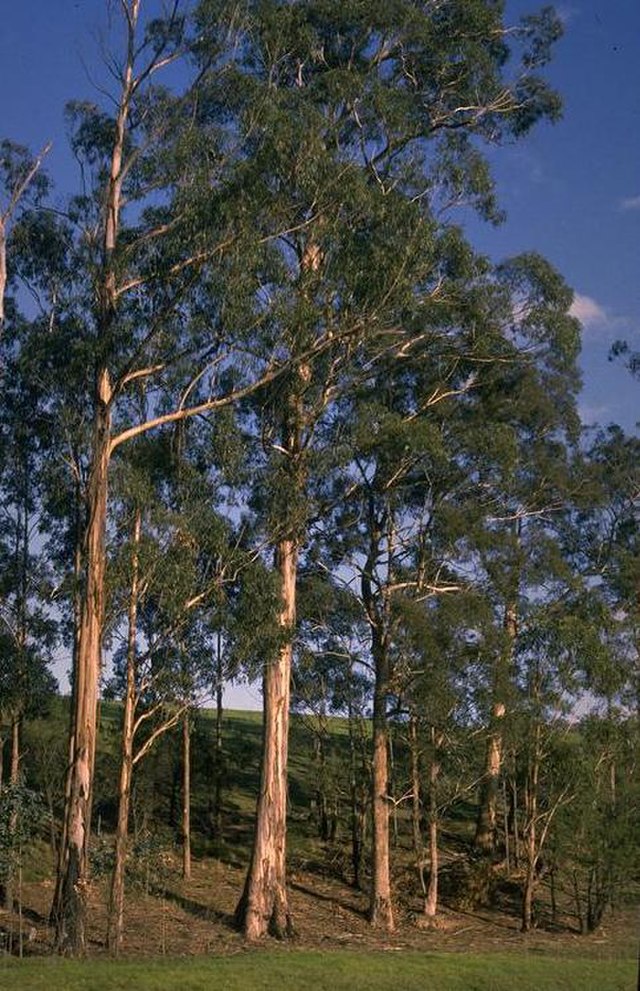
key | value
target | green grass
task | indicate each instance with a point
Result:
(390, 971)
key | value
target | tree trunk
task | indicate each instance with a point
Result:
(431, 902)
(115, 928)
(14, 781)
(217, 795)
(380, 907)
(186, 797)
(416, 810)
(486, 826)
(531, 832)
(263, 907)
(74, 858)
(78, 558)
(71, 921)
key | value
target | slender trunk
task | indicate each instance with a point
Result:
(263, 907)
(531, 834)
(74, 855)
(580, 914)
(380, 907)
(416, 811)
(115, 928)
(14, 781)
(552, 895)
(74, 860)
(217, 799)
(186, 797)
(431, 903)
(14, 774)
(514, 820)
(486, 826)
(505, 819)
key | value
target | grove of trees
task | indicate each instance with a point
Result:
(267, 413)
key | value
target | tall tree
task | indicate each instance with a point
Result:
(352, 96)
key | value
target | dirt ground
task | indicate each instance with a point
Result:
(183, 919)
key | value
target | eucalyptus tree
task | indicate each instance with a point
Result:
(359, 123)
(152, 299)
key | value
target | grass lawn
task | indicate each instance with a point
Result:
(334, 971)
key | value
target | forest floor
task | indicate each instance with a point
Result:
(178, 918)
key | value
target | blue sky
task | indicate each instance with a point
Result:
(571, 191)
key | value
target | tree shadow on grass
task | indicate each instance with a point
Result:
(321, 896)
(196, 909)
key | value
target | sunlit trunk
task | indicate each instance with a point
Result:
(74, 861)
(264, 906)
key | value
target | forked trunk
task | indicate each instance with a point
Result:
(115, 929)
(74, 860)
(263, 907)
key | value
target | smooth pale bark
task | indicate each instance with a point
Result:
(263, 907)
(115, 930)
(74, 861)
(486, 826)
(431, 900)
(186, 797)
(74, 858)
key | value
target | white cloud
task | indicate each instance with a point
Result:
(631, 203)
(589, 312)
(566, 12)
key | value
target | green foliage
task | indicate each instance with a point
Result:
(22, 815)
